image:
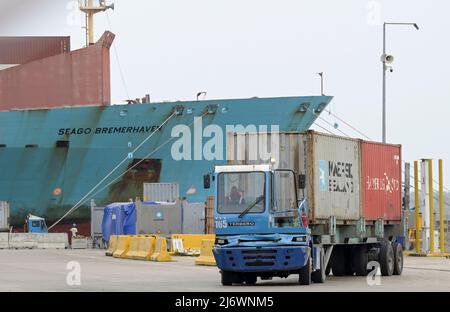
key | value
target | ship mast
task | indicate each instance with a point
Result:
(87, 6)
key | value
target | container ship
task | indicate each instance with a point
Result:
(60, 135)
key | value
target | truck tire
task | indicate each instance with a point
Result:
(386, 259)
(305, 274)
(230, 278)
(319, 276)
(338, 261)
(398, 258)
(328, 269)
(250, 279)
(360, 260)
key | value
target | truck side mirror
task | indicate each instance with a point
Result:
(302, 181)
(206, 181)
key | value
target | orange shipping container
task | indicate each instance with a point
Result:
(381, 181)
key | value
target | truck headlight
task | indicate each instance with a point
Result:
(221, 241)
(299, 239)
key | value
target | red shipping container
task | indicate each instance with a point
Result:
(381, 185)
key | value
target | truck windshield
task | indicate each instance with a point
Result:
(237, 191)
(284, 209)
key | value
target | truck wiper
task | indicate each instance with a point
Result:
(257, 201)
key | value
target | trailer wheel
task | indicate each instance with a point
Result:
(338, 261)
(230, 278)
(398, 258)
(360, 260)
(305, 274)
(386, 259)
(319, 276)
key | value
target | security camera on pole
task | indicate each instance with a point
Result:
(387, 60)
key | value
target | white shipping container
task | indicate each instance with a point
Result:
(4, 216)
(334, 165)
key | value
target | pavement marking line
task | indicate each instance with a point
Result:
(186, 264)
(427, 269)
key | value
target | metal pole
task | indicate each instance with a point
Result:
(441, 209)
(384, 72)
(406, 201)
(87, 26)
(384, 83)
(321, 83)
(416, 204)
(91, 23)
(431, 197)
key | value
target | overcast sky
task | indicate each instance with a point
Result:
(243, 48)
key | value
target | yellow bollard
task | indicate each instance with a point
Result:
(431, 200)
(416, 204)
(161, 254)
(206, 253)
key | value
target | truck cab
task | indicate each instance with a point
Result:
(36, 224)
(261, 225)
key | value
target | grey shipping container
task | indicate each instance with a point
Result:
(96, 225)
(165, 219)
(193, 218)
(4, 216)
(161, 192)
(331, 165)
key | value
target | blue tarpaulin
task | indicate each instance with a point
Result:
(119, 219)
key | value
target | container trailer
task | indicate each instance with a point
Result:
(314, 204)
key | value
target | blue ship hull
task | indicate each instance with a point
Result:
(50, 159)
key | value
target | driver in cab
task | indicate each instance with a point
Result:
(235, 197)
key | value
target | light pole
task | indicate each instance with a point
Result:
(386, 60)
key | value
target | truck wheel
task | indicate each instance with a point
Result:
(328, 270)
(305, 274)
(386, 259)
(319, 276)
(360, 260)
(348, 256)
(230, 278)
(250, 279)
(398, 258)
(338, 261)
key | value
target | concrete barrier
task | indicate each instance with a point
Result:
(161, 254)
(206, 253)
(192, 242)
(112, 245)
(123, 243)
(4, 240)
(81, 243)
(146, 248)
(132, 251)
(38, 241)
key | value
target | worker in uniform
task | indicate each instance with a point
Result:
(74, 230)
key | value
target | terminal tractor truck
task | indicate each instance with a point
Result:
(275, 222)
